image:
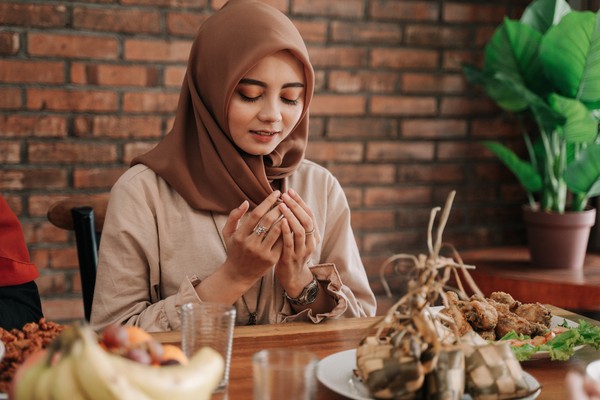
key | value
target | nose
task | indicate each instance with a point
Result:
(270, 111)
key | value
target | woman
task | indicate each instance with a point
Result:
(226, 208)
(19, 297)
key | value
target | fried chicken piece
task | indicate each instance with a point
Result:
(535, 312)
(488, 335)
(505, 298)
(481, 315)
(454, 311)
(513, 322)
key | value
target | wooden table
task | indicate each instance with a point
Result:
(333, 336)
(508, 269)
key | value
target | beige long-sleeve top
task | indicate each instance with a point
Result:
(154, 247)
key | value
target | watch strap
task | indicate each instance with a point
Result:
(308, 294)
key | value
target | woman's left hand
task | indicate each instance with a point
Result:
(300, 238)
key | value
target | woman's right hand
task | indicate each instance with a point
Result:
(253, 239)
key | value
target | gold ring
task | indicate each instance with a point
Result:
(259, 230)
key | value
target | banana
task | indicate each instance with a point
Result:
(96, 374)
(35, 373)
(64, 385)
(196, 380)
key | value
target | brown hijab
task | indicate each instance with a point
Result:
(198, 158)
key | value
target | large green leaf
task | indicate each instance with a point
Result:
(513, 51)
(542, 14)
(580, 126)
(570, 54)
(503, 93)
(583, 175)
(529, 178)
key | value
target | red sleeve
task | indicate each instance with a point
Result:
(15, 266)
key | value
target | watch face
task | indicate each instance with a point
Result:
(312, 294)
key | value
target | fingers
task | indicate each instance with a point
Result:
(257, 216)
(233, 220)
(305, 222)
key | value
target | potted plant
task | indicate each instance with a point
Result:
(545, 68)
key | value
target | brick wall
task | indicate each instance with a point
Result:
(87, 85)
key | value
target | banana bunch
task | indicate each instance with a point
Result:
(76, 367)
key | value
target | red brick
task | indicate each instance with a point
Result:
(415, 173)
(66, 153)
(167, 3)
(71, 100)
(467, 107)
(9, 43)
(51, 284)
(316, 128)
(433, 128)
(14, 203)
(32, 126)
(72, 46)
(10, 98)
(459, 150)
(494, 128)
(427, 83)
(473, 13)
(356, 174)
(63, 310)
(10, 152)
(117, 19)
(42, 178)
(393, 196)
(328, 152)
(337, 105)
(174, 75)
(113, 75)
(40, 258)
(39, 204)
(435, 36)
(157, 50)
(366, 32)
(43, 232)
(32, 71)
(399, 151)
(34, 15)
(362, 127)
(331, 8)
(404, 58)
(404, 10)
(150, 102)
(132, 150)
(353, 82)
(185, 23)
(391, 243)
(113, 126)
(453, 60)
(94, 178)
(63, 258)
(312, 31)
(354, 196)
(337, 57)
(403, 105)
(373, 220)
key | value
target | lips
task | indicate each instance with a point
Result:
(265, 133)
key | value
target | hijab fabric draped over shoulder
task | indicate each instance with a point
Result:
(198, 157)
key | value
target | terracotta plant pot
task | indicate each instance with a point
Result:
(558, 240)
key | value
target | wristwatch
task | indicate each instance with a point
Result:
(308, 294)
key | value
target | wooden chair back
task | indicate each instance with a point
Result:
(85, 216)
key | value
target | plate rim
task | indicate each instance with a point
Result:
(347, 394)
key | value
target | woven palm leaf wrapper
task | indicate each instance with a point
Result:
(414, 353)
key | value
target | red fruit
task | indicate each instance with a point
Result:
(115, 337)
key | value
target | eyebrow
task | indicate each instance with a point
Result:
(247, 81)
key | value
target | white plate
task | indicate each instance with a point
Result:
(336, 372)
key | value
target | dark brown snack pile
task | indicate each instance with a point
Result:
(20, 343)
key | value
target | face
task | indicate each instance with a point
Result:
(267, 103)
